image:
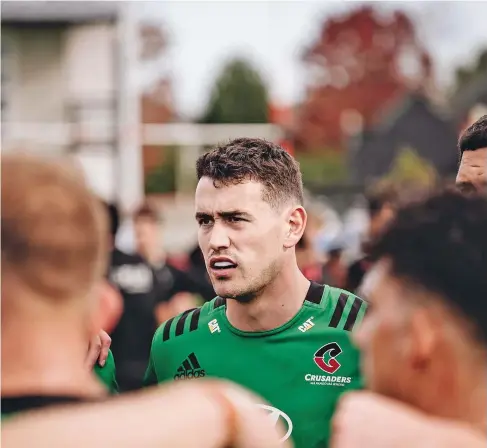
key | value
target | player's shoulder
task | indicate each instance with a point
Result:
(186, 324)
(340, 309)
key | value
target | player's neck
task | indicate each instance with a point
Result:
(465, 400)
(42, 357)
(473, 405)
(276, 305)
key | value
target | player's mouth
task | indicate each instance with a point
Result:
(222, 266)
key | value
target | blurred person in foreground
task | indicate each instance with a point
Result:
(472, 172)
(381, 202)
(176, 290)
(53, 259)
(270, 329)
(206, 414)
(427, 313)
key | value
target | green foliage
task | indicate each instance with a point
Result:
(466, 74)
(323, 168)
(163, 178)
(238, 96)
(409, 167)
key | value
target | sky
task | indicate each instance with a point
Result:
(273, 34)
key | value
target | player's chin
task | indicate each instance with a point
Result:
(229, 290)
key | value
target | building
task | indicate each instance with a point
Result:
(410, 123)
(67, 70)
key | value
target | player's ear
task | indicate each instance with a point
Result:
(109, 309)
(296, 223)
(424, 337)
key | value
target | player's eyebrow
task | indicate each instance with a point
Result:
(225, 215)
(202, 215)
(234, 213)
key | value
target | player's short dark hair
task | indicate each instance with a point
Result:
(147, 211)
(114, 218)
(439, 243)
(254, 159)
(378, 195)
(474, 137)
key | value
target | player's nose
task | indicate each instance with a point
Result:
(219, 238)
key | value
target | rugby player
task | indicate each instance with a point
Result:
(472, 173)
(424, 340)
(270, 329)
(54, 257)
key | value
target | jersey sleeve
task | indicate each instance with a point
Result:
(157, 354)
(108, 373)
(150, 377)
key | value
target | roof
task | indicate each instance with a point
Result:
(414, 123)
(58, 11)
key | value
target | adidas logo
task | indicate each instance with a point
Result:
(189, 368)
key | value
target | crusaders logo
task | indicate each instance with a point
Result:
(325, 357)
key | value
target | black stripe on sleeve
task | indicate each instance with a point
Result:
(353, 314)
(218, 303)
(337, 314)
(167, 329)
(195, 319)
(194, 361)
(315, 293)
(180, 324)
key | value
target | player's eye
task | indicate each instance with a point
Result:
(204, 222)
(235, 219)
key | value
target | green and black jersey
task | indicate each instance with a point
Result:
(300, 368)
(107, 374)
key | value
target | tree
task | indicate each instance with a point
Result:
(238, 96)
(358, 65)
(464, 75)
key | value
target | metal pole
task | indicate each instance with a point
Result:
(129, 164)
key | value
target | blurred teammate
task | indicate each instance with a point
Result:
(53, 261)
(428, 313)
(472, 173)
(177, 291)
(381, 202)
(271, 329)
(198, 415)
(134, 278)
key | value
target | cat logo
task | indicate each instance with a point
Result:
(213, 326)
(306, 325)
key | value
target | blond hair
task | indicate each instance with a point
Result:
(54, 230)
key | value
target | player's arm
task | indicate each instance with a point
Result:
(365, 419)
(218, 414)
